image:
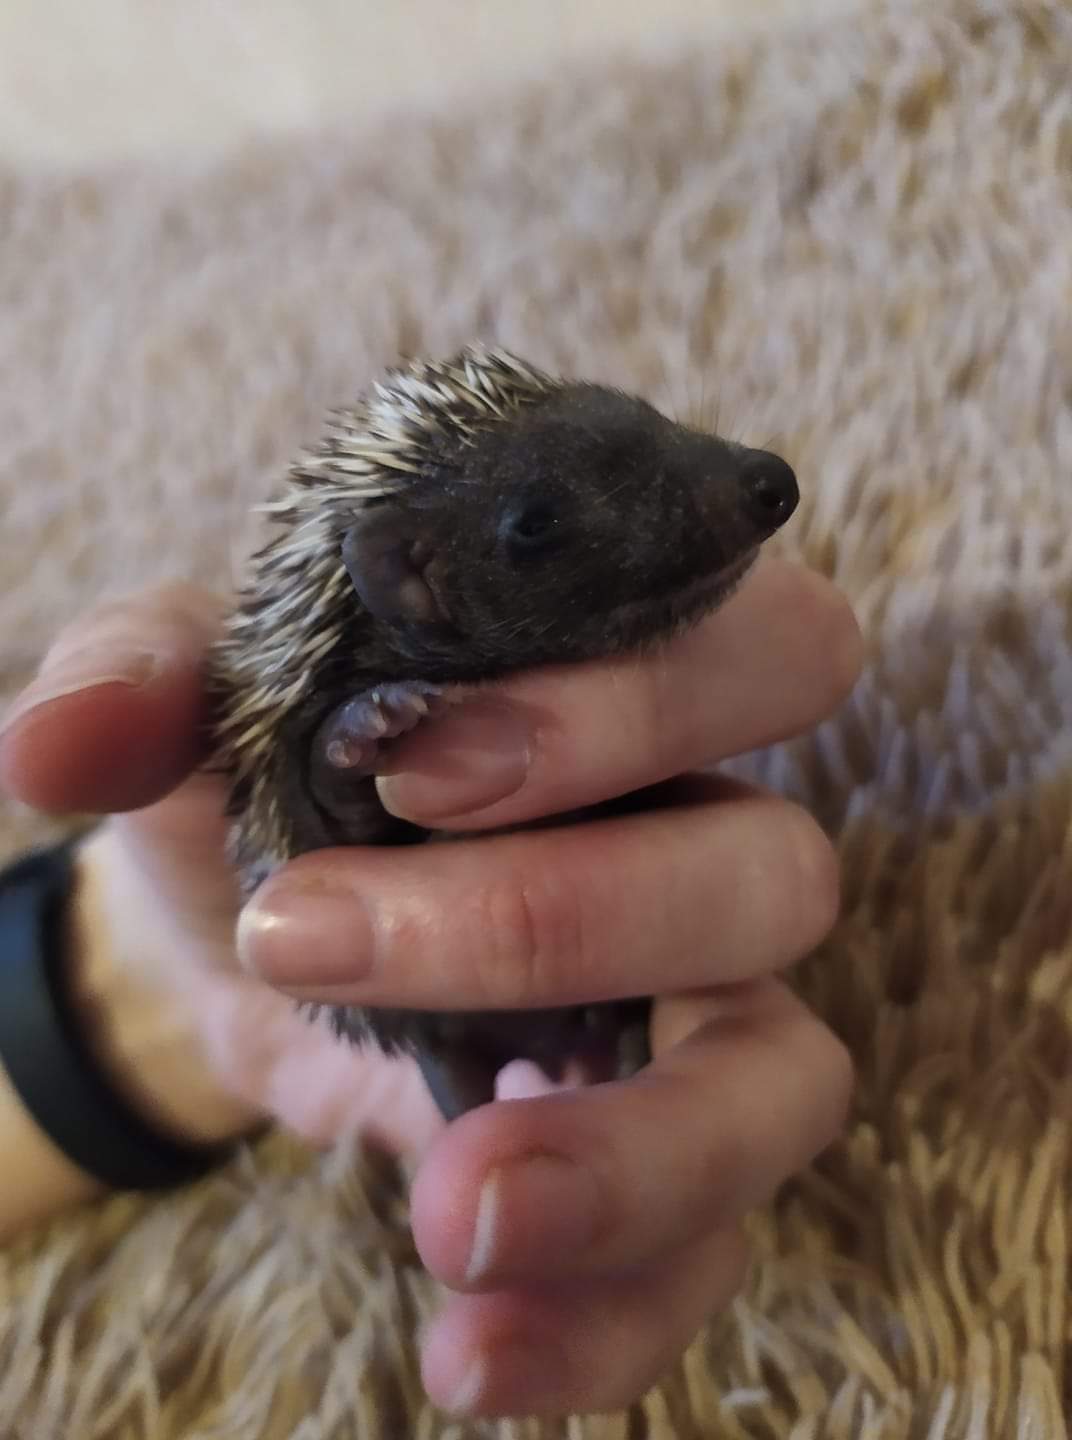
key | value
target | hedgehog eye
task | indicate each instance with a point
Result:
(530, 528)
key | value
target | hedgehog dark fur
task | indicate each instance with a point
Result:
(464, 519)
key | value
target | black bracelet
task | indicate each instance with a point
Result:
(44, 1052)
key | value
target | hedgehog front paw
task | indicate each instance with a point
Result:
(348, 746)
(350, 740)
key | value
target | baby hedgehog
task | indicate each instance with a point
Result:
(466, 518)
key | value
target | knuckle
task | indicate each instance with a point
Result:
(837, 636)
(816, 878)
(838, 1084)
(531, 939)
(738, 1259)
(821, 1074)
(733, 1263)
(827, 637)
(624, 1382)
(725, 1162)
(640, 1353)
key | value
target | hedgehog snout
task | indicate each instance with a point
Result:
(769, 490)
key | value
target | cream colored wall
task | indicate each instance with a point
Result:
(119, 76)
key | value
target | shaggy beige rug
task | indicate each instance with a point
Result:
(856, 239)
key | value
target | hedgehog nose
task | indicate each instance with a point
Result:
(769, 489)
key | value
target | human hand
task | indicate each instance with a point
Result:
(111, 727)
(588, 1234)
(559, 1307)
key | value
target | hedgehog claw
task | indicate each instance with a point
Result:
(351, 736)
(347, 747)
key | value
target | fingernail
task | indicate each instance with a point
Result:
(509, 1375)
(307, 937)
(111, 656)
(552, 1206)
(454, 1375)
(466, 1394)
(465, 760)
(485, 1228)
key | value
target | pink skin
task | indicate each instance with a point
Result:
(585, 1233)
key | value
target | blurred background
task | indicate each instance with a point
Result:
(122, 76)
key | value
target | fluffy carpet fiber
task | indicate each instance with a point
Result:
(854, 239)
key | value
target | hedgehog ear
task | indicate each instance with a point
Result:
(380, 552)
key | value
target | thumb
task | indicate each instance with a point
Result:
(113, 720)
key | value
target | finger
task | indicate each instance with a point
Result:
(586, 1182)
(112, 720)
(580, 1349)
(551, 917)
(775, 660)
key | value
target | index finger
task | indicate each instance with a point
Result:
(113, 720)
(772, 662)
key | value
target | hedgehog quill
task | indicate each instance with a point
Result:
(464, 519)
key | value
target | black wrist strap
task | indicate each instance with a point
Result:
(45, 1055)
